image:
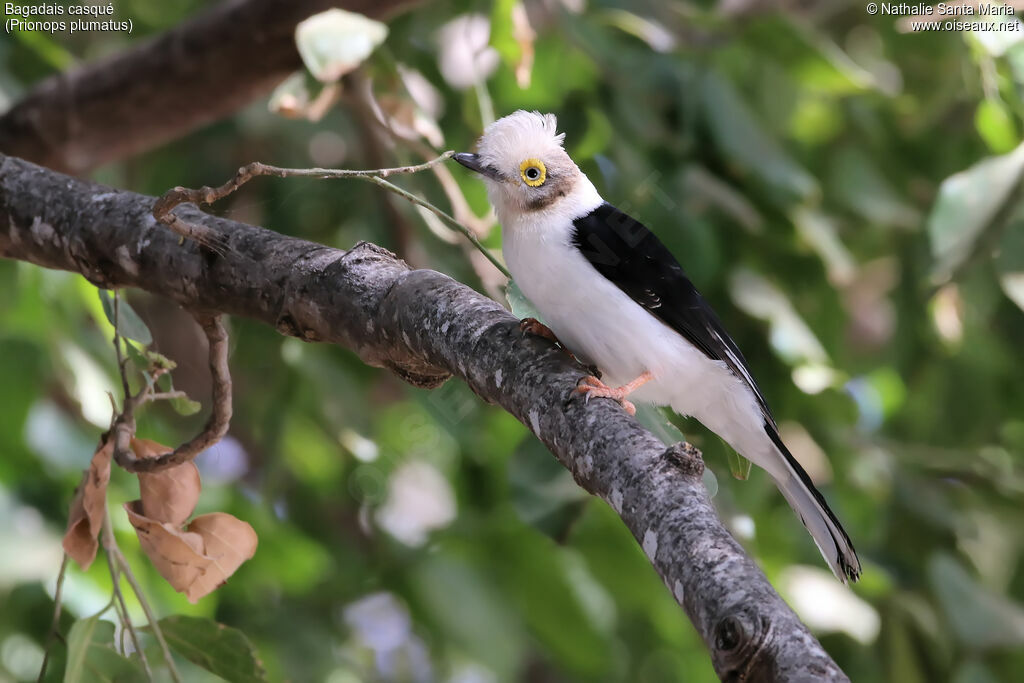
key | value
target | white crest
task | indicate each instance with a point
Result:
(518, 136)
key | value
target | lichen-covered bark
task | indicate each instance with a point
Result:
(426, 327)
(198, 72)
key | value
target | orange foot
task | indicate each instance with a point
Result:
(593, 387)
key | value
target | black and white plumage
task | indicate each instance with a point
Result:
(616, 297)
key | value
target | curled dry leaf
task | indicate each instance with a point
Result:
(176, 554)
(197, 560)
(88, 507)
(302, 97)
(406, 120)
(169, 495)
(229, 543)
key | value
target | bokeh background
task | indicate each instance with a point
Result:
(843, 189)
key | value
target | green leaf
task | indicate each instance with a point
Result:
(48, 50)
(543, 492)
(995, 126)
(1010, 261)
(217, 648)
(657, 37)
(821, 232)
(470, 611)
(136, 356)
(816, 63)
(744, 141)
(183, 405)
(335, 42)
(568, 613)
(855, 180)
(903, 662)
(971, 203)
(738, 465)
(129, 324)
(654, 419)
(79, 639)
(978, 617)
(595, 139)
(91, 657)
(160, 361)
(520, 305)
(974, 671)
(656, 422)
(503, 31)
(791, 337)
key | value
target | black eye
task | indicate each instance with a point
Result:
(532, 172)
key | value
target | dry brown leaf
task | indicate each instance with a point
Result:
(228, 542)
(177, 554)
(85, 518)
(169, 495)
(196, 560)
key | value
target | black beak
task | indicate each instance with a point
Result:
(473, 163)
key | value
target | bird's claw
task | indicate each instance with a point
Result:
(539, 329)
(591, 386)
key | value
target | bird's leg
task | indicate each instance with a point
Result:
(536, 327)
(592, 386)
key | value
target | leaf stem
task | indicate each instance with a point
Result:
(110, 543)
(117, 557)
(55, 624)
(121, 360)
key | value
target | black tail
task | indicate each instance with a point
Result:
(814, 512)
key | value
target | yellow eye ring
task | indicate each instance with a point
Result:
(533, 172)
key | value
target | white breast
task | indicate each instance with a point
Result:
(602, 325)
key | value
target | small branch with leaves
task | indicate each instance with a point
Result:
(195, 559)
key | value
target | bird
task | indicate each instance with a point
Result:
(615, 297)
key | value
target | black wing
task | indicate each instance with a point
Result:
(625, 252)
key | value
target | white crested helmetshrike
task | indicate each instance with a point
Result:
(615, 297)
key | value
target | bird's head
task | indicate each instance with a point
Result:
(523, 164)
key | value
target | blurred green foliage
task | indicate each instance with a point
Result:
(845, 192)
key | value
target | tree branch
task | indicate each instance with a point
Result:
(425, 326)
(165, 87)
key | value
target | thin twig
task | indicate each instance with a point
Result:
(493, 282)
(365, 101)
(443, 216)
(208, 195)
(121, 360)
(212, 239)
(109, 546)
(55, 624)
(216, 426)
(126, 569)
